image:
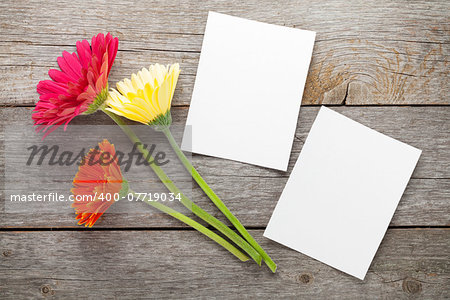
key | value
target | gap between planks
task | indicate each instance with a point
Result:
(32, 229)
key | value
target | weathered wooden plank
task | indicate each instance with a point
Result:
(251, 199)
(20, 81)
(424, 128)
(252, 192)
(370, 84)
(133, 22)
(391, 53)
(184, 264)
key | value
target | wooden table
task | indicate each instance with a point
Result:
(382, 63)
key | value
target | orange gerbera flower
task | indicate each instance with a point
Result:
(97, 184)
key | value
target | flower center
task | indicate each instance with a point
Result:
(162, 121)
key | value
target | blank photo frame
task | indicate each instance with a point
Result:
(342, 193)
(248, 91)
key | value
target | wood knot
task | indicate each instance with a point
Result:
(411, 286)
(7, 253)
(305, 278)
(47, 290)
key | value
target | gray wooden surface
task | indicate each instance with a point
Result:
(161, 264)
(383, 63)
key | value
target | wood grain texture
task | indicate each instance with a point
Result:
(183, 264)
(423, 128)
(366, 54)
(252, 199)
(251, 192)
(383, 53)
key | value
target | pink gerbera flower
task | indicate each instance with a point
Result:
(80, 87)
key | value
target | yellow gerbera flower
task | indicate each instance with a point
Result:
(147, 97)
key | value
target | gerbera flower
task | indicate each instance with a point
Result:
(81, 86)
(99, 175)
(147, 97)
(97, 184)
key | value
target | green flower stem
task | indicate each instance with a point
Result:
(216, 200)
(228, 232)
(179, 216)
